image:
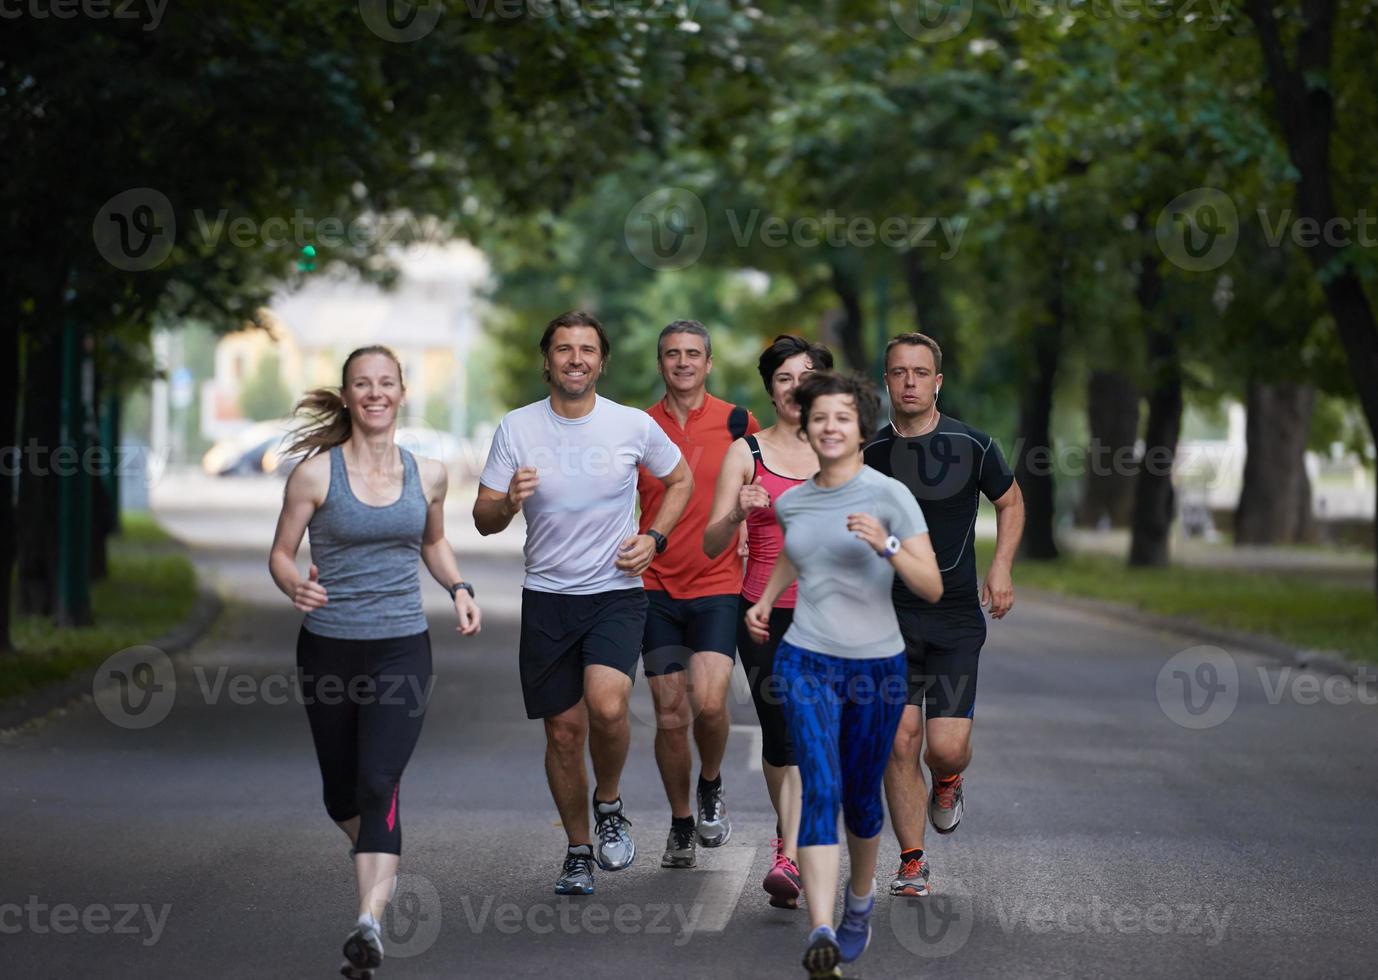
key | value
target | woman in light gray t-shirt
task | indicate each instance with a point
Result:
(848, 531)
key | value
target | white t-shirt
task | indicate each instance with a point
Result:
(585, 504)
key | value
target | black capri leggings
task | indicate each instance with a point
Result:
(758, 660)
(365, 700)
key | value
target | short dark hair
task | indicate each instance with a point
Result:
(573, 318)
(863, 394)
(685, 326)
(785, 346)
(915, 340)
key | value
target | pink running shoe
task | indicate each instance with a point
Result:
(782, 880)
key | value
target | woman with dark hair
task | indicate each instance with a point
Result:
(841, 666)
(363, 651)
(757, 469)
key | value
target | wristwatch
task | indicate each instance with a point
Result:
(454, 589)
(892, 547)
(659, 539)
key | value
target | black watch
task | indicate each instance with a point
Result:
(454, 589)
(659, 539)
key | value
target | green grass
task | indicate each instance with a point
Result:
(1302, 610)
(151, 588)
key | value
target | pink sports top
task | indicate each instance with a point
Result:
(763, 536)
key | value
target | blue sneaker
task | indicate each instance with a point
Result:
(854, 935)
(823, 955)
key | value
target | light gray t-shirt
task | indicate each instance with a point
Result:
(844, 607)
(585, 504)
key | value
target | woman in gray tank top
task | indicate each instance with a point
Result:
(374, 512)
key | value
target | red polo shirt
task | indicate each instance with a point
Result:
(684, 571)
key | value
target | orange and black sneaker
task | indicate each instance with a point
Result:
(912, 879)
(945, 804)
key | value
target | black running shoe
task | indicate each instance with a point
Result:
(680, 849)
(714, 827)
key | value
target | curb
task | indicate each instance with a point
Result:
(59, 694)
(1323, 661)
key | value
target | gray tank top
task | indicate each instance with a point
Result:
(368, 559)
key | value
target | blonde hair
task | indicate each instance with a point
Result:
(327, 422)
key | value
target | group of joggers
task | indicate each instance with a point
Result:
(834, 556)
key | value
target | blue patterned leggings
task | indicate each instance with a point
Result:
(842, 716)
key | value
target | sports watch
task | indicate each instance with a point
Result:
(892, 547)
(659, 539)
(454, 589)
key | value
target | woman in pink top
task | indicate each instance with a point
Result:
(756, 471)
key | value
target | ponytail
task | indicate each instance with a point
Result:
(327, 422)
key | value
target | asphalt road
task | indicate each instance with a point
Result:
(1126, 817)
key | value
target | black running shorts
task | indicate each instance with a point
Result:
(563, 634)
(943, 646)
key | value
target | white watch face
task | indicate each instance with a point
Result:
(892, 545)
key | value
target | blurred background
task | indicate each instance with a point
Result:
(1143, 232)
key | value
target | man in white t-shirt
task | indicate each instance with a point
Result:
(569, 464)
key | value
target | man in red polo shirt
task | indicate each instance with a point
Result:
(690, 644)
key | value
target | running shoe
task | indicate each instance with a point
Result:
(714, 827)
(782, 880)
(945, 804)
(854, 935)
(823, 955)
(615, 849)
(912, 879)
(352, 972)
(363, 949)
(577, 876)
(679, 848)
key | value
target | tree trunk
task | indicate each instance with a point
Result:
(1275, 500)
(933, 317)
(1306, 113)
(850, 328)
(1112, 411)
(36, 538)
(10, 467)
(1034, 462)
(1155, 500)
